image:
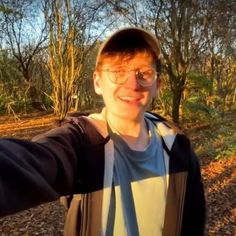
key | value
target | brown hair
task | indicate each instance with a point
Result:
(127, 42)
(128, 54)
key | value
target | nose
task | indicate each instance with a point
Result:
(132, 82)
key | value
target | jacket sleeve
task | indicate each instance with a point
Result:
(33, 172)
(194, 212)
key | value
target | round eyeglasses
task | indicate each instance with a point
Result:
(145, 77)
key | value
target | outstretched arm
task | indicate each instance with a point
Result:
(35, 172)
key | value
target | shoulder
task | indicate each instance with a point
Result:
(90, 127)
(166, 124)
(171, 134)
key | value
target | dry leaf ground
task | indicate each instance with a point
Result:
(219, 178)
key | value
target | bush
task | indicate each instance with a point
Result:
(214, 138)
(10, 104)
(194, 109)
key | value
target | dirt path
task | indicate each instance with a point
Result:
(219, 179)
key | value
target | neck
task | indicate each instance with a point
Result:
(134, 132)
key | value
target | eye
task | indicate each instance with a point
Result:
(139, 75)
(146, 73)
(118, 70)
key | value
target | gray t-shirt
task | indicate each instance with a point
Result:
(139, 188)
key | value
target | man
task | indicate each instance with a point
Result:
(135, 174)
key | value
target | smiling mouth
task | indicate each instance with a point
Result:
(129, 99)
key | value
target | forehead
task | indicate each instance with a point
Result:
(145, 58)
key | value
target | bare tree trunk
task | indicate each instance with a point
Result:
(67, 21)
(177, 94)
(62, 55)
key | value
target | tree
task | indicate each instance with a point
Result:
(20, 37)
(188, 31)
(179, 32)
(179, 28)
(220, 58)
(71, 36)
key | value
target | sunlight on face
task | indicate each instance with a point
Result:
(128, 99)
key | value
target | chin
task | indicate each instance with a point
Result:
(130, 114)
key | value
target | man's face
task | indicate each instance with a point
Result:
(128, 99)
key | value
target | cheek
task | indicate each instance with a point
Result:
(100, 84)
(108, 90)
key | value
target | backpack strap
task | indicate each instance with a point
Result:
(164, 145)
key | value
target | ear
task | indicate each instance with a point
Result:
(97, 83)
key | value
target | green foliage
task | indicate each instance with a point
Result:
(198, 81)
(195, 103)
(163, 102)
(17, 104)
(215, 139)
(196, 109)
(47, 102)
(225, 143)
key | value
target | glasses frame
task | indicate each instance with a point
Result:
(137, 72)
